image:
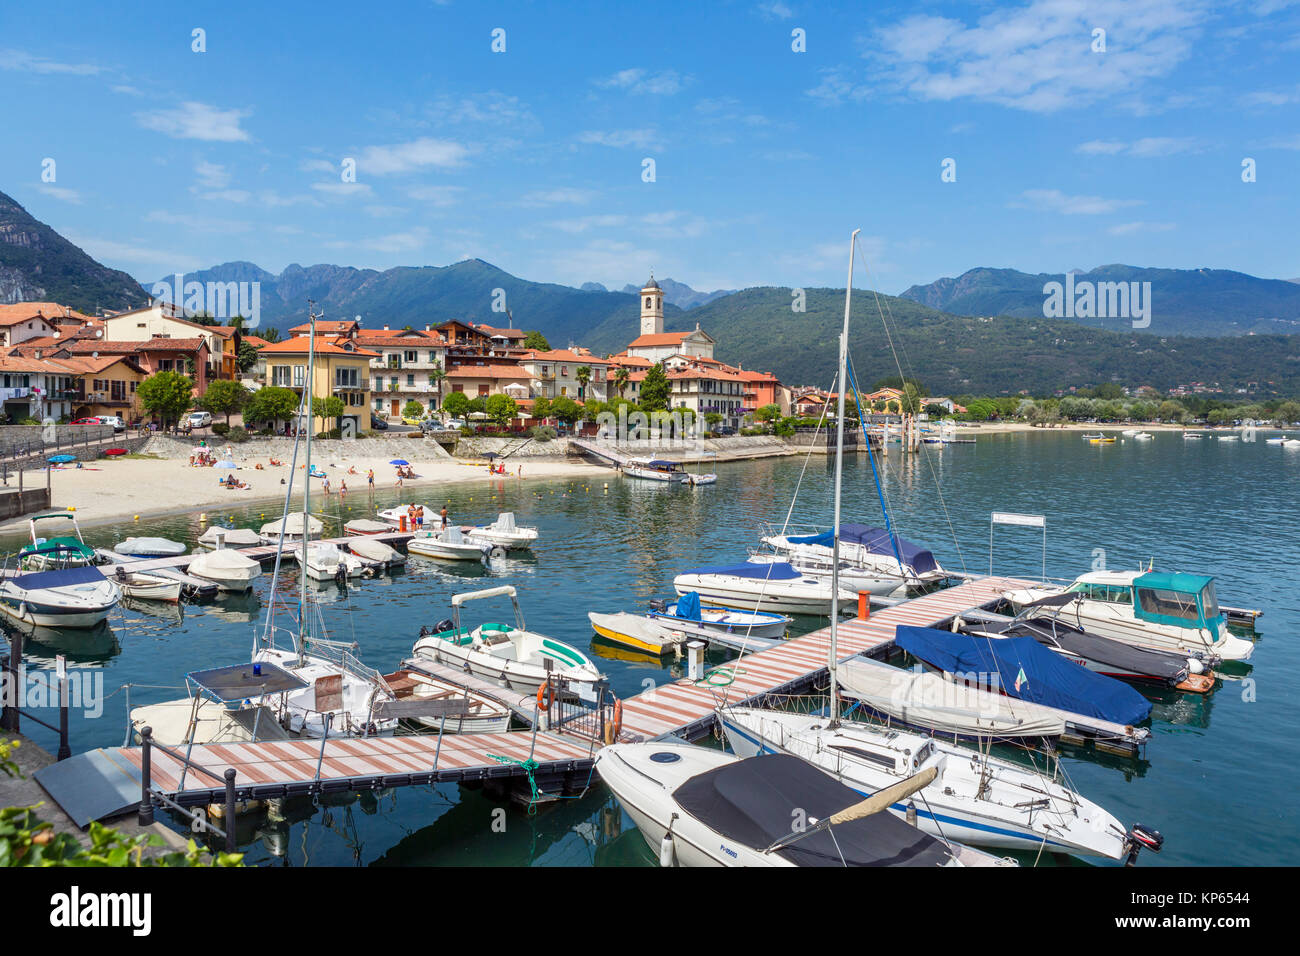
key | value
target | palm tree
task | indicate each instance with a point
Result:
(583, 375)
(620, 380)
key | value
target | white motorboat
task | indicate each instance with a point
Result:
(503, 533)
(376, 553)
(1292, 443)
(290, 529)
(1129, 432)
(1167, 612)
(326, 561)
(219, 537)
(145, 586)
(78, 596)
(521, 659)
(875, 551)
(366, 526)
(974, 798)
(701, 478)
(1143, 436)
(448, 544)
(400, 517)
(666, 626)
(703, 807)
(655, 469)
(853, 579)
(64, 551)
(149, 548)
(228, 570)
(478, 713)
(1192, 436)
(775, 587)
(924, 700)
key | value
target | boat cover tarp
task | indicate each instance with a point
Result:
(1028, 671)
(60, 578)
(875, 541)
(775, 571)
(753, 801)
(688, 607)
(149, 547)
(1102, 650)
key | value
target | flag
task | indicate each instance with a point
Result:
(1021, 679)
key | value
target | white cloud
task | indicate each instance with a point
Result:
(585, 223)
(318, 166)
(1148, 147)
(1053, 200)
(1038, 56)
(226, 195)
(342, 189)
(775, 9)
(1101, 147)
(493, 108)
(212, 175)
(411, 240)
(59, 192)
(637, 80)
(436, 195)
(562, 195)
(201, 224)
(197, 121)
(619, 138)
(27, 63)
(609, 261)
(112, 251)
(408, 157)
(1129, 228)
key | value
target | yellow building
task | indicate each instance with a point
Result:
(342, 369)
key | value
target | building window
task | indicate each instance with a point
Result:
(433, 357)
(412, 356)
(410, 381)
(299, 375)
(458, 387)
(482, 390)
(347, 377)
(280, 375)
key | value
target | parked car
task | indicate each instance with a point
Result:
(378, 424)
(199, 419)
(115, 420)
(454, 423)
(432, 425)
(87, 421)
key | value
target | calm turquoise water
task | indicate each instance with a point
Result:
(1219, 776)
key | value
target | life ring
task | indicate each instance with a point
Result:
(545, 695)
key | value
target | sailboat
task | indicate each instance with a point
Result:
(966, 796)
(338, 696)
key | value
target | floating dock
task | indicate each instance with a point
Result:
(106, 782)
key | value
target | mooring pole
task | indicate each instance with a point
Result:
(230, 810)
(146, 796)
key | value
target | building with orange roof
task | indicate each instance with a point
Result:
(410, 367)
(342, 369)
(554, 374)
(35, 388)
(162, 319)
(24, 321)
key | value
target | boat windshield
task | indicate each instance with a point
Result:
(1209, 602)
(1111, 593)
(1169, 604)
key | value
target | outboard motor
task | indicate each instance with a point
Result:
(446, 624)
(1140, 837)
(659, 604)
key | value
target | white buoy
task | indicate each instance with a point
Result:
(666, 850)
(695, 659)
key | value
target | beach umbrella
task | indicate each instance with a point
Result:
(399, 461)
(62, 459)
(491, 455)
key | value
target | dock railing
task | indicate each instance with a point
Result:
(15, 685)
(148, 795)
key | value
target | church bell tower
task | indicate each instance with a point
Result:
(652, 308)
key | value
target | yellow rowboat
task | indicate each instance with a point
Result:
(634, 631)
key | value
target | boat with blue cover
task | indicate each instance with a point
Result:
(879, 551)
(655, 469)
(775, 587)
(667, 625)
(1161, 610)
(78, 596)
(1020, 667)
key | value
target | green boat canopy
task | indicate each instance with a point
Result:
(1183, 600)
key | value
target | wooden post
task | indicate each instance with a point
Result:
(145, 817)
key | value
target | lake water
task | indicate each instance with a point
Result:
(1219, 775)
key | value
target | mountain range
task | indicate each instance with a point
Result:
(982, 332)
(1183, 301)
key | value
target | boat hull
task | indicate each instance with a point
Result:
(744, 594)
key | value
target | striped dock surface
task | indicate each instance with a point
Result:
(686, 707)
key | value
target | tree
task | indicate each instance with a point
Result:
(248, 356)
(436, 377)
(911, 400)
(271, 404)
(655, 389)
(583, 375)
(767, 413)
(542, 408)
(1287, 413)
(328, 409)
(1171, 411)
(271, 334)
(501, 409)
(620, 380)
(536, 340)
(713, 417)
(166, 395)
(223, 397)
(893, 381)
(456, 405)
(412, 409)
(566, 409)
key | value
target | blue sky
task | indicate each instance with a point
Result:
(170, 160)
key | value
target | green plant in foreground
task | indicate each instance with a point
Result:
(27, 840)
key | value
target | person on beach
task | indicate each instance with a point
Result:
(325, 483)
(370, 479)
(343, 487)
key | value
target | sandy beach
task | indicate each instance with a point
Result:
(112, 490)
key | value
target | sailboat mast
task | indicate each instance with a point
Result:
(839, 483)
(306, 482)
